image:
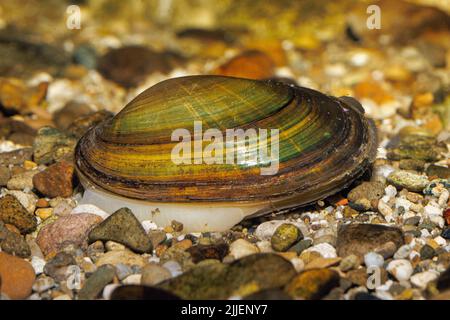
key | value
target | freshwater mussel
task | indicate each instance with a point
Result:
(324, 144)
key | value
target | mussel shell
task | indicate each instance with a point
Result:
(324, 143)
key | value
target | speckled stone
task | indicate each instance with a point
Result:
(70, 229)
(12, 212)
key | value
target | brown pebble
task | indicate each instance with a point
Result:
(17, 276)
(56, 181)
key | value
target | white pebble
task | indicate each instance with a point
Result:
(390, 191)
(241, 248)
(403, 252)
(373, 259)
(38, 264)
(414, 255)
(420, 280)
(400, 202)
(264, 246)
(440, 241)
(432, 210)
(149, 225)
(326, 250)
(443, 198)
(401, 269)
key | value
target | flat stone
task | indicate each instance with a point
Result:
(125, 257)
(122, 227)
(13, 243)
(22, 180)
(52, 145)
(360, 239)
(12, 212)
(94, 285)
(408, 180)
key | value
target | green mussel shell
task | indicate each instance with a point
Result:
(324, 143)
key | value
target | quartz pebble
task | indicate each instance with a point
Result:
(401, 269)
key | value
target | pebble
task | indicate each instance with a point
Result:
(240, 278)
(13, 243)
(70, 229)
(321, 263)
(360, 239)
(366, 195)
(421, 280)
(124, 257)
(51, 145)
(300, 246)
(27, 200)
(43, 284)
(55, 181)
(401, 269)
(153, 274)
(38, 264)
(403, 252)
(213, 251)
(266, 229)
(22, 180)
(156, 237)
(427, 252)
(123, 271)
(17, 276)
(350, 262)
(241, 248)
(44, 213)
(5, 175)
(373, 259)
(326, 250)
(122, 227)
(285, 236)
(130, 65)
(12, 212)
(96, 282)
(411, 181)
(132, 279)
(313, 284)
(89, 208)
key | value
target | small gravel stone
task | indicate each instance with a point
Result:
(403, 252)
(427, 252)
(326, 250)
(96, 282)
(366, 195)
(408, 180)
(421, 280)
(125, 257)
(313, 284)
(349, 262)
(401, 269)
(285, 236)
(373, 259)
(22, 180)
(153, 274)
(241, 248)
